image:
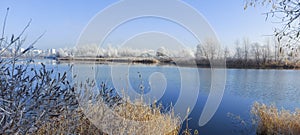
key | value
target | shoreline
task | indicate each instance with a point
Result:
(181, 62)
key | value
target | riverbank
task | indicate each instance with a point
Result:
(109, 60)
(183, 62)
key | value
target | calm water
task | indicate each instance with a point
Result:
(243, 87)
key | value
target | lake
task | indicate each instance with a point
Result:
(165, 84)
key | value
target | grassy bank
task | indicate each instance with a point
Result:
(272, 120)
(76, 122)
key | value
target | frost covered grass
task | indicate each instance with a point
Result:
(272, 120)
(134, 117)
(94, 115)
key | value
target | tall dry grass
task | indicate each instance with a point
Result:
(93, 116)
(272, 120)
(119, 115)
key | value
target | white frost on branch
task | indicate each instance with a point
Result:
(95, 51)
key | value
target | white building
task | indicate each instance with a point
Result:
(50, 52)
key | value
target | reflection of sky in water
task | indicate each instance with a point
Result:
(280, 87)
(242, 89)
(137, 76)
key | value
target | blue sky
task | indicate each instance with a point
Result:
(64, 20)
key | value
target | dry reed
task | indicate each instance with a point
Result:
(272, 120)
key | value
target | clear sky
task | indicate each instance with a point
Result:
(63, 20)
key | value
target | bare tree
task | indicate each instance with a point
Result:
(264, 54)
(238, 50)
(199, 52)
(213, 49)
(209, 49)
(256, 52)
(287, 13)
(226, 52)
(278, 51)
(246, 45)
(266, 51)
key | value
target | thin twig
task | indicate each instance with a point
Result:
(4, 25)
(5, 100)
(5, 111)
(25, 28)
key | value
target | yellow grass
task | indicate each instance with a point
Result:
(77, 123)
(95, 118)
(274, 121)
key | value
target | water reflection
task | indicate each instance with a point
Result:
(243, 87)
(279, 87)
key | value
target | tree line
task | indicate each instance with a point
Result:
(246, 54)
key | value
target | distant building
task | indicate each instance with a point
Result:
(50, 52)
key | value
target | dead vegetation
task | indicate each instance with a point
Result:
(272, 120)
